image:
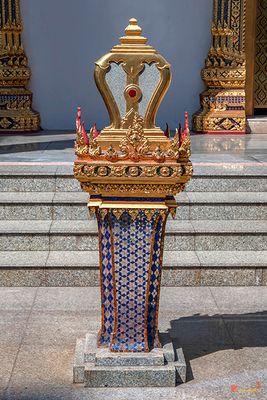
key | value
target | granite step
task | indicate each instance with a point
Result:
(218, 237)
(181, 268)
(212, 177)
(199, 235)
(46, 183)
(192, 206)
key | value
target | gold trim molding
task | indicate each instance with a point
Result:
(250, 47)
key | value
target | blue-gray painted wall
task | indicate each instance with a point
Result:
(63, 38)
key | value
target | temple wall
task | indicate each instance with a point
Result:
(63, 38)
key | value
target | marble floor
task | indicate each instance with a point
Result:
(222, 331)
(57, 147)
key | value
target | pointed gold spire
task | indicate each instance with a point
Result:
(133, 33)
(133, 41)
(133, 28)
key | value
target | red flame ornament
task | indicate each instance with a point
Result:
(186, 124)
(167, 131)
(186, 127)
(96, 132)
(84, 135)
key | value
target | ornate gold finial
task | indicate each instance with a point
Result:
(132, 155)
(122, 76)
(133, 28)
(133, 33)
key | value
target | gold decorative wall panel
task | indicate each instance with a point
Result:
(223, 103)
(16, 114)
(260, 91)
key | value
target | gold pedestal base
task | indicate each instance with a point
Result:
(13, 121)
(223, 111)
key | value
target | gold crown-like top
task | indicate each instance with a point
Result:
(133, 40)
(132, 157)
(133, 33)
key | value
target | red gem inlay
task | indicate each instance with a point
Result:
(132, 93)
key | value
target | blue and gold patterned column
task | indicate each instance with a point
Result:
(223, 103)
(16, 114)
(131, 249)
(132, 171)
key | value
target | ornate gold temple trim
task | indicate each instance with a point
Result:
(251, 12)
(16, 114)
(260, 82)
(223, 103)
(130, 189)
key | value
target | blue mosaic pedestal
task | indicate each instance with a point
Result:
(131, 250)
(128, 350)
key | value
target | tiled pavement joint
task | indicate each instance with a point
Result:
(21, 342)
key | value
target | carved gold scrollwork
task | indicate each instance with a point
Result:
(135, 145)
(85, 171)
(129, 189)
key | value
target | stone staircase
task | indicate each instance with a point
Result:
(48, 239)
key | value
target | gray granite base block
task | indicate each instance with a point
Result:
(78, 369)
(95, 367)
(90, 347)
(105, 358)
(130, 376)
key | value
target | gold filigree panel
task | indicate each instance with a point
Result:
(237, 11)
(260, 94)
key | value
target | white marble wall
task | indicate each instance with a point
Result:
(63, 38)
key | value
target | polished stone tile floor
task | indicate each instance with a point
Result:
(57, 147)
(222, 331)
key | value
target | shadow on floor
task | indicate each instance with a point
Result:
(37, 146)
(200, 335)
